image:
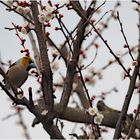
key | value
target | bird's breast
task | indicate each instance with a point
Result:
(17, 76)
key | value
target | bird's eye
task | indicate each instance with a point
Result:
(30, 61)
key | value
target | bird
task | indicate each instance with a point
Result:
(17, 73)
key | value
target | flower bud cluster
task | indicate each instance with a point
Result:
(98, 117)
(21, 6)
(46, 14)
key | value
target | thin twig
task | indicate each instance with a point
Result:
(8, 93)
(133, 122)
(22, 123)
(107, 45)
(102, 17)
(113, 61)
(96, 24)
(106, 23)
(16, 12)
(127, 100)
(91, 61)
(122, 31)
(30, 96)
(79, 70)
(136, 2)
(72, 64)
(128, 97)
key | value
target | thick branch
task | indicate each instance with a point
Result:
(105, 41)
(80, 116)
(131, 86)
(47, 86)
(35, 50)
(71, 67)
(51, 129)
(81, 94)
(127, 100)
(77, 7)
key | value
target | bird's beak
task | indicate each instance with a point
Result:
(32, 65)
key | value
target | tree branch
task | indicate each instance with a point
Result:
(16, 12)
(47, 86)
(71, 66)
(128, 96)
(77, 115)
(124, 36)
(45, 120)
